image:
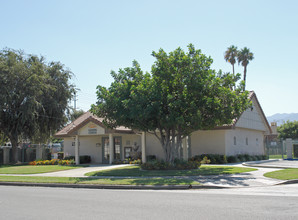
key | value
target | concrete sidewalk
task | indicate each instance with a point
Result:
(276, 163)
(78, 172)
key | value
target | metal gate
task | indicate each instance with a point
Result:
(278, 150)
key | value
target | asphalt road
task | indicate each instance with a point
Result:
(276, 202)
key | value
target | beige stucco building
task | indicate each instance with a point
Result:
(88, 136)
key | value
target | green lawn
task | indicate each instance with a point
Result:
(204, 170)
(27, 169)
(104, 181)
(279, 156)
(286, 174)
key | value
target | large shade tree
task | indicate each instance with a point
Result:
(34, 96)
(244, 56)
(180, 95)
(288, 130)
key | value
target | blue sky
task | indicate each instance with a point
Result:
(94, 37)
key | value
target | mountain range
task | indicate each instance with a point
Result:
(281, 118)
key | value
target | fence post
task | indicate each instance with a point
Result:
(6, 155)
(289, 145)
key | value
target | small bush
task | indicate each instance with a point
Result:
(83, 158)
(232, 159)
(138, 161)
(151, 157)
(222, 159)
(205, 161)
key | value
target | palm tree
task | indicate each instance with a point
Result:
(231, 55)
(243, 57)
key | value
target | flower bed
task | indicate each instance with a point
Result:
(52, 162)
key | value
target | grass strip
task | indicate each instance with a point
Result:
(28, 169)
(286, 174)
(134, 171)
(104, 181)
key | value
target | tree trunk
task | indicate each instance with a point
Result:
(244, 77)
(233, 69)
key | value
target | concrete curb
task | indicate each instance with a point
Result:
(120, 187)
(287, 182)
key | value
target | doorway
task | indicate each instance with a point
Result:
(106, 149)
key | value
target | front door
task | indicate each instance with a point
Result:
(106, 149)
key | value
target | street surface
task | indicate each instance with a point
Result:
(270, 202)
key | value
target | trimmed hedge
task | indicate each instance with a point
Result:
(222, 159)
(83, 158)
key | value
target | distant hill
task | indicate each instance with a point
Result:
(281, 118)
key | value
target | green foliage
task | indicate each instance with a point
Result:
(3, 138)
(150, 157)
(288, 130)
(222, 159)
(181, 94)
(75, 114)
(83, 158)
(205, 160)
(243, 57)
(213, 158)
(34, 96)
(231, 56)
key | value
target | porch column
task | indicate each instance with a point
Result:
(143, 147)
(289, 145)
(185, 150)
(6, 155)
(111, 145)
(77, 153)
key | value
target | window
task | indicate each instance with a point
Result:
(127, 151)
(235, 141)
(92, 131)
(246, 141)
(73, 143)
(257, 142)
(117, 148)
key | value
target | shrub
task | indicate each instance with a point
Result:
(83, 158)
(151, 157)
(232, 159)
(205, 160)
(221, 159)
(138, 161)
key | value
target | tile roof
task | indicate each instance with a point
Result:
(251, 95)
(88, 116)
(84, 119)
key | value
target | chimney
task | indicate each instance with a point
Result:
(274, 127)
